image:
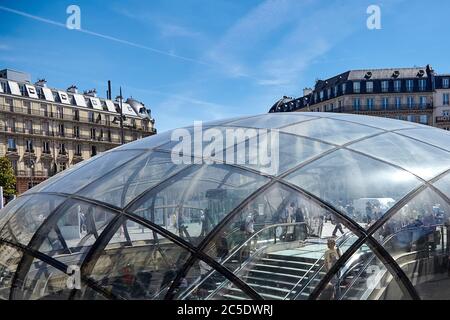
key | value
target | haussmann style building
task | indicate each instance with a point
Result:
(44, 130)
(416, 94)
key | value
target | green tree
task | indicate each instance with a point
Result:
(7, 177)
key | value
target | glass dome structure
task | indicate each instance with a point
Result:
(133, 224)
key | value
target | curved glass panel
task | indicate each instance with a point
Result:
(11, 209)
(360, 187)
(195, 202)
(91, 171)
(331, 131)
(124, 185)
(417, 238)
(273, 121)
(278, 242)
(417, 157)
(23, 224)
(140, 267)
(43, 281)
(437, 137)
(363, 277)
(443, 185)
(148, 142)
(378, 122)
(10, 257)
(283, 152)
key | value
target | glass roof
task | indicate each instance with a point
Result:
(238, 215)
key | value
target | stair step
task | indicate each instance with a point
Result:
(288, 263)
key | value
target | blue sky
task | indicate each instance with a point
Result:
(203, 60)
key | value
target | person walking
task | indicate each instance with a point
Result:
(337, 225)
(332, 255)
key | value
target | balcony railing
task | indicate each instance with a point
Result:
(442, 119)
(391, 107)
(70, 117)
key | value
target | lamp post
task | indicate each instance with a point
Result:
(122, 137)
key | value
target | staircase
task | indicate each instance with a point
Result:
(275, 275)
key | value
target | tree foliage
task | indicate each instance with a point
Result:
(7, 177)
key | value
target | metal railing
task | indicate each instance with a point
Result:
(444, 250)
(270, 240)
(77, 118)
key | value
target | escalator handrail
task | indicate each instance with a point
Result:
(342, 239)
(385, 241)
(236, 250)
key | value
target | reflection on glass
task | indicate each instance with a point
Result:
(74, 230)
(358, 186)
(331, 131)
(24, 223)
(43, 282)
(417, 238)
(434, 136)
(363, 277)
(378, 122)
(124, 185)
(140, 265)
(417, 157)
(196, 202)
(91, 171)
(278, 244)
(275, 121)
(282, 154)
(10, 258)
(443, 185)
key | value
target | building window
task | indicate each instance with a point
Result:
(61, 129)
(321, 95)
(384, 86)
(78, 150)
(76, 131)
(76, 115)
(369, 86)
(344, 88)
(398, 102)
(62, 148)
(336, 90)
(93, 133)
(409, 85)
(385, 103)
(445, 113)
(370, 103)
(329, 93)
(27, 106)
(423, 101)
(12, 144)
(44, 111)
(356, 87)
(29, 146)
(62, 166)
(410, 118)
(423, 119)
(59, 112)
(446, 99)
(422, 84)
(45, 147)
(445, 83)
(29, 126)
(93, 151)
(356, 104)
(91, 116)
(397, 85)
(410, 102)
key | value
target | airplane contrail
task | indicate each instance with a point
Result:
(107, 37)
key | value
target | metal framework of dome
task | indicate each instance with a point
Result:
(131, 224)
